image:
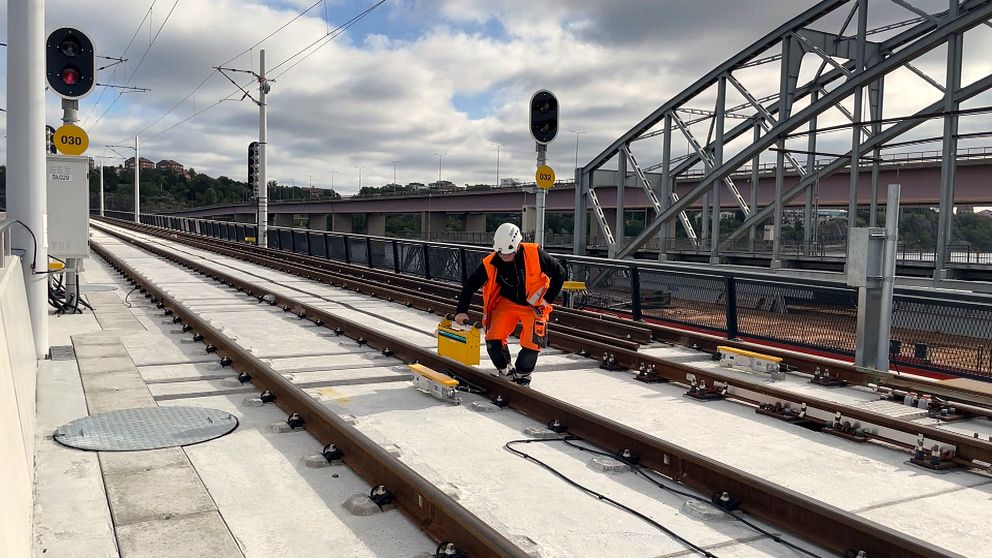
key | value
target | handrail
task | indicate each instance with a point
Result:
(5, 225)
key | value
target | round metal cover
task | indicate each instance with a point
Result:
(146, 428)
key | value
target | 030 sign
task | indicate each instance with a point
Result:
(71, 140)
(545, 177)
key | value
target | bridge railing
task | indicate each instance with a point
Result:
(5, 225)
(951, 336)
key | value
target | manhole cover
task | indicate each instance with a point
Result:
(146, 428)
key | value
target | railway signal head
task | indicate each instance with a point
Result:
(70, 63)
(50, 140)
(253, 164)
(544, 116)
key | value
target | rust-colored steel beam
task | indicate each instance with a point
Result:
(791, 511)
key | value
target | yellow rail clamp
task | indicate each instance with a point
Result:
(749, 359)
(573, 286)
(443, 379)
(458, 344)
(250, 239)
(752, 354)
(56, 266)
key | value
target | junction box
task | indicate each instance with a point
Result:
(68, 206)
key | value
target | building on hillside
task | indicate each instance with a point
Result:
(145, 163)
(169, 164)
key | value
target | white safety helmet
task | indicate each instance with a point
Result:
(507, 238)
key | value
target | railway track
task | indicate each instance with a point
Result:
(615, 348)
(792, 511)
(438, 295)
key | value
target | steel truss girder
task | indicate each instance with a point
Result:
(877, 140)
(971, 14)
(653, 198)
(641, 130)
(709, 163)
(584, 176)
(743, 59)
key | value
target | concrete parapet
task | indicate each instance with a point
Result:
(18, 375)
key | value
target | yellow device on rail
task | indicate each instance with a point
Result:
(458, 342)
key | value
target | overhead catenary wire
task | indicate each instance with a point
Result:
(315, 45)
(327, 38)
(213, 72)
(138, 65)
(116, 67)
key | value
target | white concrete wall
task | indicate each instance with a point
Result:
(18, 372)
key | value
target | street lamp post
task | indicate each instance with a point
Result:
(394, 176)
(359, 167)
(497, 146)
(577, 133)
(438, 155)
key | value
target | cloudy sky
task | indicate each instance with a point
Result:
(416, 78)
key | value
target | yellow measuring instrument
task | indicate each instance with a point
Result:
(457, 342)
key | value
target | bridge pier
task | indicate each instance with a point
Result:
(283, 219)
(475, 222)
(432, 223)
(375, 224)
(319, 221)
(341, 222)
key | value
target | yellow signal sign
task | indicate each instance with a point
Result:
(545, 177)
(71, 140)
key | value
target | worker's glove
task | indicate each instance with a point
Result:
(461, 319)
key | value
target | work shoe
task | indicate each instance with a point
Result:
(521, 378)
(504, 372)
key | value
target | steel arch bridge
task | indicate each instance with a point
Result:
(797, 88)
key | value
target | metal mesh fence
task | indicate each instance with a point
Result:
(607, 287)
(818, 317)
(445, 263)
(318, 245)
(941, 334)
(301, 242)
(695, 300)
(336, 248)
(381, 253)
(411, 258)
(358, 251)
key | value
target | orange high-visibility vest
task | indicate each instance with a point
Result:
(536, 283)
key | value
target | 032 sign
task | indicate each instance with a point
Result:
(545, 177)
(71, 140)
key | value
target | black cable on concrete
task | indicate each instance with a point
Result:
(136, 287)
(643, 471)
(685, 542)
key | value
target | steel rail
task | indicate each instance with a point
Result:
(791, 511)
(967, 448)
(584, 320)
(428, 507)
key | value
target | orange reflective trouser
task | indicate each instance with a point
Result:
(505, 317)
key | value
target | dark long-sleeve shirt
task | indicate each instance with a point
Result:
(511, 278)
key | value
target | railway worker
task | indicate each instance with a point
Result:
(519, 280)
